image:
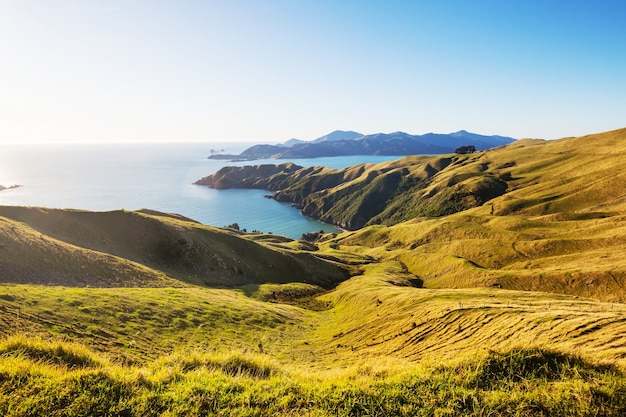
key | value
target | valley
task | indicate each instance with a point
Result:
(490, 283)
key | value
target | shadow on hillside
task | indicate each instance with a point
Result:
(296, 294)
(522, 364)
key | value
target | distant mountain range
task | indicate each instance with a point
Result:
(343, 143)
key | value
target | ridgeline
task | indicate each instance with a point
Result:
(343, 143)
(489, 283)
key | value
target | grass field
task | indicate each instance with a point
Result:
(382, 349)
(62, 379)
(514, 307)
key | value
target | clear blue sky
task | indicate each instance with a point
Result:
(270, 70)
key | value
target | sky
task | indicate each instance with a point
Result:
(270, 70)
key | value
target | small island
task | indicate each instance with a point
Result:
(9, 187)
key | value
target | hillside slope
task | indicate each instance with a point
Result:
(534, 176)
(560, 226)
(533, 215)
(454, 314)
(72, 247)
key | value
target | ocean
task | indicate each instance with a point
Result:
(159, 176)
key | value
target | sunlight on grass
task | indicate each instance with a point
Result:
(527, 381)
(512, 307)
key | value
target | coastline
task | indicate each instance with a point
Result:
(310, 217)
(158, 176)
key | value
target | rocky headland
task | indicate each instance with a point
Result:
(368, 194)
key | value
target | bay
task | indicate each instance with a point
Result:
(159, 176)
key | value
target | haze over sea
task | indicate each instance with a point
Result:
(159, 176)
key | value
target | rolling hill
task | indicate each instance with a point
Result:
(80, 248)
(533, 215)
(484, 284)
(532, 176)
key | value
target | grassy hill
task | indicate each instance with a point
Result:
(384, 348)
(70, 247)
(534, 215)
(527, 177)
(508, 306)
(560, 227)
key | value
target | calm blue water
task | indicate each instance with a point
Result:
(156, 176)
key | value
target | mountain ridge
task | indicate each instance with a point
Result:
(343, 143)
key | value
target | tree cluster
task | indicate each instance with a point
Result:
(465, 149)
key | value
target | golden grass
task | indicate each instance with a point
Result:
(139, 323)
(581, 256)
(510, 308)
(376, 318)
(57, 378)
(120, 248)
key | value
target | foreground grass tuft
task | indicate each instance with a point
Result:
(514, 382)
(520, 365)
(231, 364)
(69, 355)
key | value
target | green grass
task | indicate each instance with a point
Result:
(136, 324)
(514, 382)
(384, 348)
(145, 249)
(513, 307)
(60, 354)
(380, 314)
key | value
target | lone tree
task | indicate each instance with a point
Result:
(465, 149)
